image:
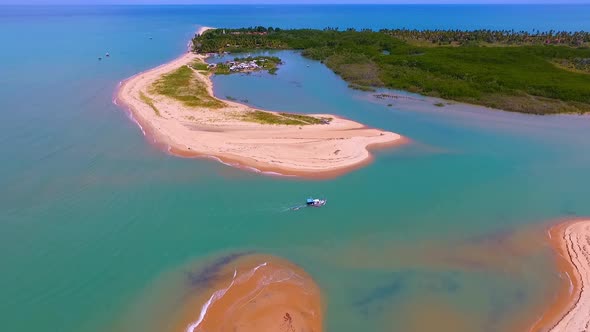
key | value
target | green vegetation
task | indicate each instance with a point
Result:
(306, 118)
(541, 73)
(490, 37)
(199, 65)
(182, 85)
(362, 87)
(221, 69)
(284, 118)
(439, 104)
(150, 102)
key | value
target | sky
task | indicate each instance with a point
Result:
(92, 2)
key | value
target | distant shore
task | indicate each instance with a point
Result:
(310, 150)
(570, 310)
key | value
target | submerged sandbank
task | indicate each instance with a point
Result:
(255, 293)
(314, 150)
(571, 308)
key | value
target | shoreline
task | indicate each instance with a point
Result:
(568, 312)
(315, 151)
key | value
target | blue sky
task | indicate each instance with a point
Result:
(86, 2)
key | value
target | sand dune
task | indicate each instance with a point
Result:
(317, 150)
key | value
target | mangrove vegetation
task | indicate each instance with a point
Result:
(530, 72)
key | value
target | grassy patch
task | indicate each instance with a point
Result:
(199, 65)
(182, 85)
(283, 118)
(306, 118)
(439, 104)
(150, 102)
(361, 87)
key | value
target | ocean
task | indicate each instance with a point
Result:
(98, 227)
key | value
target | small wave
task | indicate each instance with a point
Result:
(259, 266)
(571, 289)
(132, 118)
(278, 174)
(271, 173)
(221, 161)
(253, 169)
(217, 295)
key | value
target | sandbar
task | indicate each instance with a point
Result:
(315, 151)
(571, 309)
(255, 293)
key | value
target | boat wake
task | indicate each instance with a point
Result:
(297, 207)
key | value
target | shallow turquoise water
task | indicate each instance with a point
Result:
(92, 216)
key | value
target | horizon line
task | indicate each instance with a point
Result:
(296, 2)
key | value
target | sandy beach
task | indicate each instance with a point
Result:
(318, 150)
(571, 309)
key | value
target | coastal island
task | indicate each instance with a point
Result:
(528, 72)
(174, 103)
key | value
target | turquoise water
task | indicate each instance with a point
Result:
(95, 223)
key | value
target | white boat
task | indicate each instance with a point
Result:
(316, 202)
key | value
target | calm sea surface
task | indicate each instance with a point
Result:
(98, 227)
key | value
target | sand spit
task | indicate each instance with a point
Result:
(571, 309)
(319, 150)
(256, 293)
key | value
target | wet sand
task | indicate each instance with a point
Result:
(254, 293)
(570, 310)
(315, 151)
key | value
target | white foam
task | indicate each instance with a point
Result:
(277, 174)
(259, 266)
(253, 169)
(216, 295)
(132, 118)
(221, 161)
(205, 306)
(571, 290)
